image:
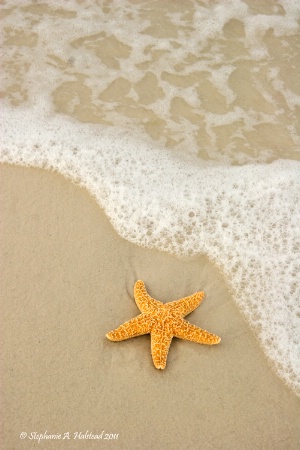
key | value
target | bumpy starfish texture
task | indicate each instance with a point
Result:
(163, 322)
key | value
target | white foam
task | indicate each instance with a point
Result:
(246, 219)
(78, 41)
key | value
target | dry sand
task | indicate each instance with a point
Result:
(67, 279)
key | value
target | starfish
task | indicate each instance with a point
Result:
(163, 322)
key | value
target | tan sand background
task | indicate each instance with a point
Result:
(67, 279)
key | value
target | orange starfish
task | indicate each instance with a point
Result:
(163, 322)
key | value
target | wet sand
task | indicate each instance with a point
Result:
(67, 279)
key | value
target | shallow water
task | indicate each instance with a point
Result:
(150, 105)
(216, 79)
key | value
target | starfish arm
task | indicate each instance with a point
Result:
(184, 330)
(160, 344)
(135, 327)
(186, 305)
(145, 303)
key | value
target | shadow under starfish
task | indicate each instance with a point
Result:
(163, 322)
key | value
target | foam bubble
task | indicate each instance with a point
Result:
(246, 219)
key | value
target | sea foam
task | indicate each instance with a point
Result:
(246, 219)
(214, 79)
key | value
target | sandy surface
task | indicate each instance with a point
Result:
(67, 279)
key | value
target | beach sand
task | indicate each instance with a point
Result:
(67, 279)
